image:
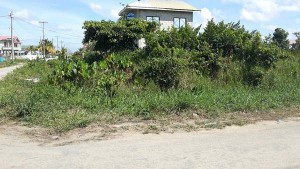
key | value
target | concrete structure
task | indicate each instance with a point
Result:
(167, 12)
(5, 45)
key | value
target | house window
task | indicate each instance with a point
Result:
(15, 44)
(5, 44)
(152, 18)
(179, 22)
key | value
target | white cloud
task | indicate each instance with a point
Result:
(202, 17)
(64, 28)
(265, 10)
(272, 27)
(24, 14)
(253, 15)
(114, 13)
(34, 22)
(95, 7)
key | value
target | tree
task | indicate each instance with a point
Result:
(280, 38)
(49, 47)
(108, 36)
(296, 45)
(32, 48)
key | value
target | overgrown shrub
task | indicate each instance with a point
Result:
(109, 36)
(163, 66)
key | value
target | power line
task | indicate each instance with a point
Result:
(23, 20)
(50, 30)
(29, 32)
(61, 35)
(74, 36)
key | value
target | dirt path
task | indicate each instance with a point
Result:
(6, 70)
(269, 145)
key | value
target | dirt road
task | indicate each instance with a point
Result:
(269, 145)
(6, 70)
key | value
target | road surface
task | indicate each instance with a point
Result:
(6, 70)
(266, 145)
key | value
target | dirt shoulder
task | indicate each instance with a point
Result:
(172, 125)
(265, 145)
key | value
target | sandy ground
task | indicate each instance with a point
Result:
(269, 145)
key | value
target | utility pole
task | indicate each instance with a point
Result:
(61, 42)
(11, 35)
(57, 48)
(44, 50)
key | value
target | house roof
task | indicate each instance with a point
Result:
(16, 39)
(168, 5)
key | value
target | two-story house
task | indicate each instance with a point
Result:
(169, 13)
(6, 45)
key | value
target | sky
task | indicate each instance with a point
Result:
(65, 17)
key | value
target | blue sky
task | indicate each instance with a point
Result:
(65, 17)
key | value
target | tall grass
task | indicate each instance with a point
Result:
(47, 105)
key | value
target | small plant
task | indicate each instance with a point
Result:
(107, 86)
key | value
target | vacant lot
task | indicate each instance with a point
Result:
(27, 96)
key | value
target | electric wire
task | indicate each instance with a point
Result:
(31, 32)
(50, 30)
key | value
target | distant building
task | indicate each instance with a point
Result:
(169, 13)
(6, 46)
(292, 43)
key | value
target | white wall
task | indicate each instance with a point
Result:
(18, 48)
(166, 17)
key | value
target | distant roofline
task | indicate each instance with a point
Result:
(156, 8)
(16, 39)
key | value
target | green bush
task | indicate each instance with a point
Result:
(163, 66)
(109, 36)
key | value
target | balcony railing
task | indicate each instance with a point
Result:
(9, 48)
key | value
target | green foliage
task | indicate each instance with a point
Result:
(296, 46)
(205, 62)
(114, 70)
(109, 36)
(225, 39)
(70, 72)
(183, 38)
(257, 58)
(49, 47)
(8, 63)
(179, 71)
(161, 64)
(280, 38)
(50, 106)
(105, 76)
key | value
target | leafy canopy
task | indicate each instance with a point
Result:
(109, 36)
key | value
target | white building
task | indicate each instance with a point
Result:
(168, 13)
(6, 45)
